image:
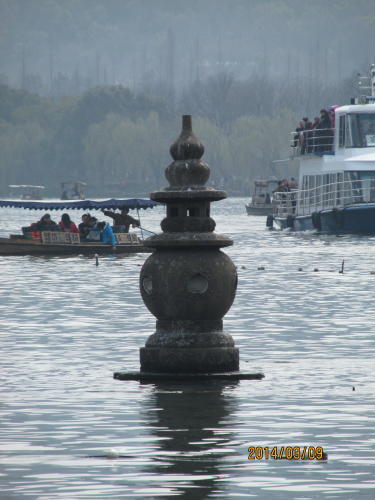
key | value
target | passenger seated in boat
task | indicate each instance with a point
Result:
(93, 233)
(122, 220)
(83, 227)
(44, 224)
(67, 225)
(106, 234)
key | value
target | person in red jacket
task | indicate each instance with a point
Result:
(67, 225)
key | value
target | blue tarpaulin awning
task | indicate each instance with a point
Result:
(131, 204)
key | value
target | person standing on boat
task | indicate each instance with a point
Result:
(298, 136)
(293, 187)
(67, 225)
(282, 188)
(315, 133)
(307, 136)
(121, 221)
(325, 132)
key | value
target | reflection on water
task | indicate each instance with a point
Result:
(190, 425)
(67, 325)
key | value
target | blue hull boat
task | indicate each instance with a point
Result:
(336, 184)
(350, 220)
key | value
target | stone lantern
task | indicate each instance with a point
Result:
(188, 283)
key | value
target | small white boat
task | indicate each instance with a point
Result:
(27, 191)
(261, 200)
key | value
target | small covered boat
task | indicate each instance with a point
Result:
(26, 191)
(64, 243)
(72, 190)
(261, 200)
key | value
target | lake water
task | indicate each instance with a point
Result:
(67, 325)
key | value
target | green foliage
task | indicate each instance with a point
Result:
(118, 141)
(21, 149)
(122, 150)
(12, 99)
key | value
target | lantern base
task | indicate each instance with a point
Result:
(189, 359)
(142, 376)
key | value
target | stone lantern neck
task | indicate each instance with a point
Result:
(187, 198)
(187, 146)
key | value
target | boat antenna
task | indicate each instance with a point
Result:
(140, 225)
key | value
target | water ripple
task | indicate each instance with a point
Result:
(67, 325)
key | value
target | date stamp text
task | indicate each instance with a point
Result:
(286, 452)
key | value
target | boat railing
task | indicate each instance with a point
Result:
(284, 203)
(312, 141)
(324, 197)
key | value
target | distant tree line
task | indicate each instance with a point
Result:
(118, 141)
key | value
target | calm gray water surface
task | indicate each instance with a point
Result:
(67, 325)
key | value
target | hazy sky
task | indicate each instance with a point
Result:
(133, 41)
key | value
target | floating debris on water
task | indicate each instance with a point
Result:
(342, 268)
(112, 453)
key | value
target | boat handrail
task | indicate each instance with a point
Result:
(324, 197)
(314, 141)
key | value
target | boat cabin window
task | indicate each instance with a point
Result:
(342, 132)
(324, 191)
(361, 130)
(362, 185)
(367, 129)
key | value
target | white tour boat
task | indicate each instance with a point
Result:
(336, 190)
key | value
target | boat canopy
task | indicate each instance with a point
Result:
(80, 183)
(25, 186)
(131, 204)
(264, 182)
